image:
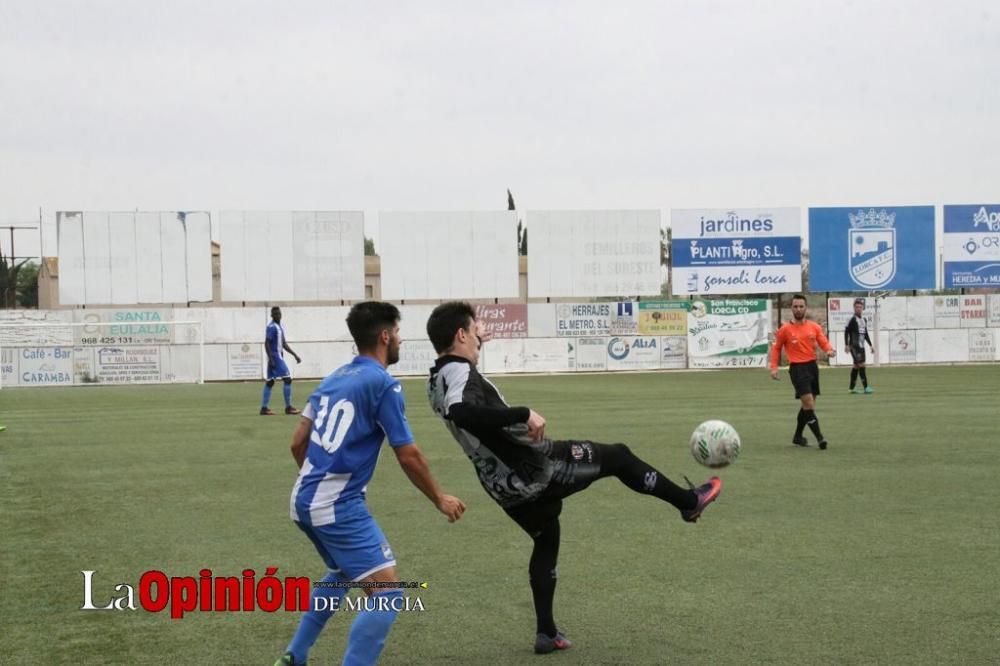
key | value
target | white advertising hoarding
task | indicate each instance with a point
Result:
(591, 354)
(594, 253)
(633, 353)
(453, 254)
(729, 333)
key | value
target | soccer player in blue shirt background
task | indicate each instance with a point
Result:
(336, 446)
(275, 346)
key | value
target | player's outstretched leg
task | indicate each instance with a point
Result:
(325, 597)
(618, 460)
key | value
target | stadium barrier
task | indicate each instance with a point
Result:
(218, 344)
(65, 353)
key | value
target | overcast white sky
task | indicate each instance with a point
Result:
(200, 105)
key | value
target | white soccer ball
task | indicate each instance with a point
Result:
(715, 443)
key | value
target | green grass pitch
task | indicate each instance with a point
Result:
(883, 549)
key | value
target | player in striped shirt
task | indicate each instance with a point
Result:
(799, 338)
(336, 447)
(523, 470)
(855, 336)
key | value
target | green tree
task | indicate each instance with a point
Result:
(522, 231)
(8, 280)
(27, 285)
(369, 247)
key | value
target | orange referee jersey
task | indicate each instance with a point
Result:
(799, 341)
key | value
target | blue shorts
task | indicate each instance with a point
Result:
(354, 545)
(278, 370)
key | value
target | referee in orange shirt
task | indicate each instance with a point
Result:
(799, 338)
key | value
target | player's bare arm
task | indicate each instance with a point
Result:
(779, 342)
(284, 345)
(300, 441)
(415, 466)
(824, 343)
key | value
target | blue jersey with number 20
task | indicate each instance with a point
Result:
(353, 409)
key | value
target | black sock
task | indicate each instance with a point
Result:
(542, 575)
(854, 377)
(618, 460)
(813, 423)
(800, 424)
(864, 378)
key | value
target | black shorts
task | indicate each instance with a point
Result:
(577, 465)
(805, 378)
(858, 354)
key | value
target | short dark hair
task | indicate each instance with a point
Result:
(445, 321)
(367, 320)
(800, 297)
(859, 301)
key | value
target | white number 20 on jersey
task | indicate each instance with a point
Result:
(332, 424)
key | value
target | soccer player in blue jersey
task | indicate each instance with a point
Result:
(336, 446)
(275, 346)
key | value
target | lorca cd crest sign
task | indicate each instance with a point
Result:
(872, 242)
(865, 248)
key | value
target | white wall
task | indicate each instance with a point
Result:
(234, 339)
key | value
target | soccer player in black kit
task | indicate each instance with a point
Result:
(524, 471)
(856, 335)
